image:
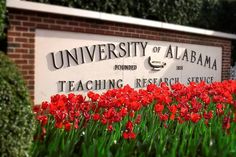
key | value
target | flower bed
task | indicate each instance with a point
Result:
(194, 120)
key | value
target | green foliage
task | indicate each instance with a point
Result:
(16, 117)
(3, 23)
(227, 16)
(227, 21)
(177, 11)
(171, 11)
(2, 18)
(211, 14)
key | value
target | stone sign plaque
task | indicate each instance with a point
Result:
(77, 62)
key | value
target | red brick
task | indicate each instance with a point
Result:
(78, 29)
(143, 36)
(10, 50)
(15, 22)
(83, 24)
(67, 28)
(24, 72)
(31, 24)
(31, 82)
(106, 27)
(90, 30)
(31, 40)
(21, 50)
(21, 39)
(108, 32)
(12, 33)
(25, 34)
(138, 31)
(56, 27)
(135, 36)
(21, 17)
(35, 19)
(73, 23)
(29, 77)
(50, 21)
(62, 22)
(25, 45)
(19, 28)
(14, 55)
(32, 29)
(20, 61)
(12, 44)
(32, 96)
(30, 61)
(123, 29)
(10, 39)
(31, 72)
(31, 51)
(27, 67)
(39, 25)
(117, 33)
(127, 34)
(114, 28)
(11, 16)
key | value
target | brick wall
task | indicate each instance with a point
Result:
(21, 37)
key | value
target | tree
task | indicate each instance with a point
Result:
(177, 11)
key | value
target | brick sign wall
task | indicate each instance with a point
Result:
(23, 25)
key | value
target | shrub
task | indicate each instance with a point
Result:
(16, 118)
(2, 18)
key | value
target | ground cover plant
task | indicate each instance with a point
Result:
(194, 120)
